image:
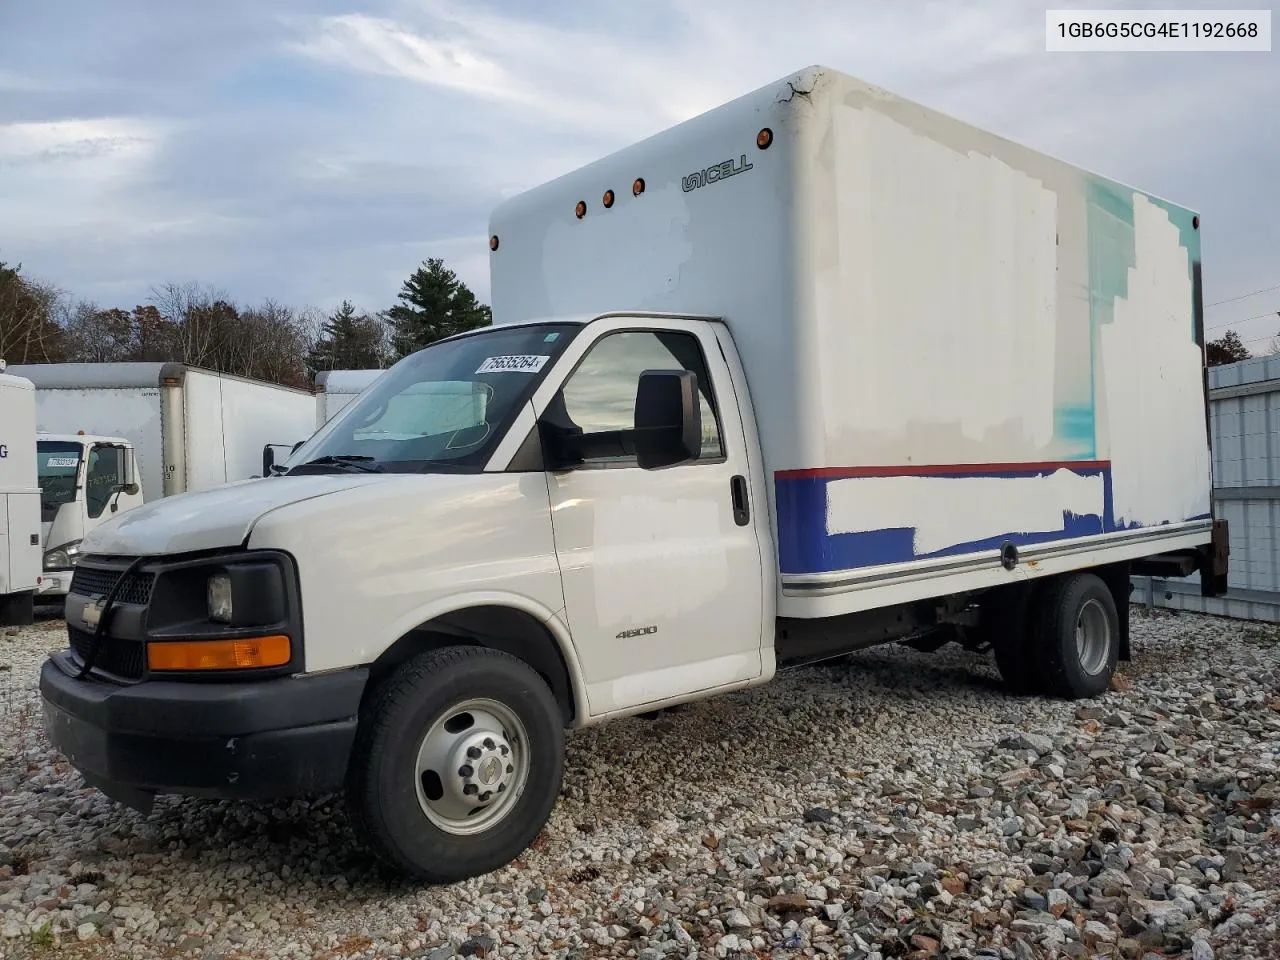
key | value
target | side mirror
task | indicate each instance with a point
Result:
(268, 459)
(668, 419)
(128, 472)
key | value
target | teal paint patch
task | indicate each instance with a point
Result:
(1111, 248)
(1074, 433)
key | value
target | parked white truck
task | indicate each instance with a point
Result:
(116, 435)
(336, 388)
(19, 500)
(816, 370)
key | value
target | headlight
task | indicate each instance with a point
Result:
(63, 557)
(219, 595)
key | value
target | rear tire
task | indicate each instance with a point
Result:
(457, 764)
(1077, 637)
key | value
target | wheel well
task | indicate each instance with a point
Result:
(499, 628)
(1114, 575)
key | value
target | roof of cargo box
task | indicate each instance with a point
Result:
(73, 376)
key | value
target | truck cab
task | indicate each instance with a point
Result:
(84, 481)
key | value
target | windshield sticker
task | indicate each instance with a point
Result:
(551, 338)
(524, 363)
(62, 462)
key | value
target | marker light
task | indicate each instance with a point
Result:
(493, 242)
(764, 139)
(580, 210)
(637, 188)
(246, 654)
(608, 199)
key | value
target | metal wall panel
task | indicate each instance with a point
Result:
(1244, 420)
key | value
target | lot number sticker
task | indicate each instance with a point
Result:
(523, 363)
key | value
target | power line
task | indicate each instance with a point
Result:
(1232, 323)
(1243, 296)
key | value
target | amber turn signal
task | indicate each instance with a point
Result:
(608, 199)
(637, 188)
(764, 138)
(580, 210)
(493, 242)
(246, 654)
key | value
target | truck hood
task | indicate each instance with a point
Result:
(210, 519)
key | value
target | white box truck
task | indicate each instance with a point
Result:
(336, 388)
(116, 435)
(819, 369)
(19, 501)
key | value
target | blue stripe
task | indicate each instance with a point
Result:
(805, 547)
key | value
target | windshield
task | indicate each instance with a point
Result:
(444, 407)
(57, 462)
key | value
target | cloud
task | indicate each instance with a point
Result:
(312, 150)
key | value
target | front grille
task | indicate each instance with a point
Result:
(98, 581)
(123, 658)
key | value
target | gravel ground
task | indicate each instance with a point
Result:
(893, 804)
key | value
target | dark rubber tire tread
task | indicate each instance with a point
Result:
(1054, 641)
(381, 801)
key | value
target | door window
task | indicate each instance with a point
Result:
(600, 395)
(103, 477)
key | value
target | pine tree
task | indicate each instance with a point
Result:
(434, 304)
(348, 341)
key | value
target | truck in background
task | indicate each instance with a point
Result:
(19, 501)
(336, 388)
(116, 435)
(817, 370)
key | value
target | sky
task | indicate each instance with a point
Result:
(316, 150)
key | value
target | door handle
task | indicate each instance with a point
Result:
(741, 507)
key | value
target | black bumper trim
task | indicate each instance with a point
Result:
(275, 738)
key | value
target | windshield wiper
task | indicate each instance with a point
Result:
(351, 462)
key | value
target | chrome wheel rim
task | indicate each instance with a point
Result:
(472, 766)
(1093, 637)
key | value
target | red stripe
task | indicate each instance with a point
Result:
(930, 470)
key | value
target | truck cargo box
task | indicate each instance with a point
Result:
(955, 345)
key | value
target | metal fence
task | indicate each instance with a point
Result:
(1244, 421)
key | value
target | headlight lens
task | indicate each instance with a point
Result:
(219, 594)
(63, 557)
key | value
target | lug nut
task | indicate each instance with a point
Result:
(473, 753)
(465, 770)
(484, 797)
(488, 743)
(505, 751)
(501, 787)
(470, 789)
(510, 768)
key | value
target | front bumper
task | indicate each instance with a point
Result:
(285, 737)
(55, 583)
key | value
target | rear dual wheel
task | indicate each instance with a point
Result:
(1061, 638)
(457, 764)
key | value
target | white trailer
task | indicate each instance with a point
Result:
(336, 388)
(116, 435)
(819, 369)
(19, 500)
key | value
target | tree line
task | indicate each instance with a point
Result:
(198, 325)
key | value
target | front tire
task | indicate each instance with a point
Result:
(1077, 640)
(457, 764)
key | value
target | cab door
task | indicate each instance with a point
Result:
(661, 567)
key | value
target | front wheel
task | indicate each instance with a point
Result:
(1077, 638)
(457, 763)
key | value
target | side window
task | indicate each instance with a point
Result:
(103, 476)
(601, 394)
